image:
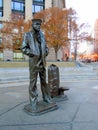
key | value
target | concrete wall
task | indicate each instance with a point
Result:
(51, 56)
(6, 10)
(48, 3)
(28, 10)
(8, 54)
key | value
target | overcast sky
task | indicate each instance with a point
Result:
(87, 9)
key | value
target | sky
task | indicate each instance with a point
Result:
(87, 10)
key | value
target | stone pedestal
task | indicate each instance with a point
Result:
(41, 108)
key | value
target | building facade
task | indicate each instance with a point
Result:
(27, 8)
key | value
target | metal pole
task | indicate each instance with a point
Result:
(70, 55)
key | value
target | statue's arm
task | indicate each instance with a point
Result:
(46, 47)
(25, 46)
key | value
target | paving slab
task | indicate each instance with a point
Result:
(85, 126)
(79, 112)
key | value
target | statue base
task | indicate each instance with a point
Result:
(41, 108)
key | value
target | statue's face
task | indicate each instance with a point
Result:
(36, 26)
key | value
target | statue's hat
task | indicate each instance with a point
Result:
(37, 20)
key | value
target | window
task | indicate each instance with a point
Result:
(1, 3)
(1, 55)
(1, 8)
(37, 8)
(1, 25)
(18, 6)
(18, 56)
(38, 5)
(1, 13)
(39, 0)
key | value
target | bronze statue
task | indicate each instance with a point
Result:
(34, 45)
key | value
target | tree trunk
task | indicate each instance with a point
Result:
(56, 54)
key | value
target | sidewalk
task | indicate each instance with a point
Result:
(68, 74)
(79, 112)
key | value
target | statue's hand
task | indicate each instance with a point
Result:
(31, 54)
(47, 51)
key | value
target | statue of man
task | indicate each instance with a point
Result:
(34, 45)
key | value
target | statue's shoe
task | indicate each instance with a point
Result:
(47, 100)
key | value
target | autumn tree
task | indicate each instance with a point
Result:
(13, 30)
(54, 26)
(78, 32)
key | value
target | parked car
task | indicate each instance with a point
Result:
(86, 60)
